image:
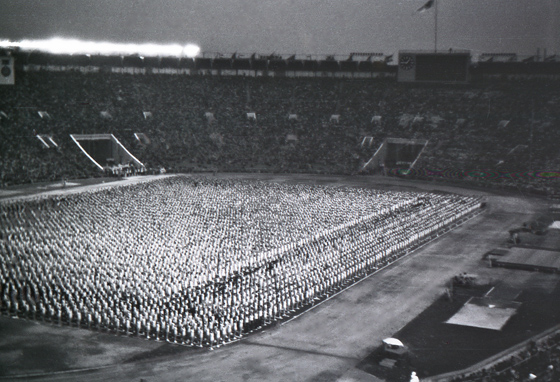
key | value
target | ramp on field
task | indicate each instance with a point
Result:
(531, 259)
(397, 152)
(104, 150)
(485, 313)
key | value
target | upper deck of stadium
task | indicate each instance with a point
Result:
(315, 124)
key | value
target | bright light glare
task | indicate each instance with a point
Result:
(72, 46)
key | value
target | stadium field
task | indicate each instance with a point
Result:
(322, 344)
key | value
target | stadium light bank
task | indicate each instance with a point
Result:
(59, 45)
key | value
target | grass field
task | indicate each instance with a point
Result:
(327, 343)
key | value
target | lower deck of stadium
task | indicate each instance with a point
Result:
(200, 261)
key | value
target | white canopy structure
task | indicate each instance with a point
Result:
(555, 225)
(394, 346)
(393, 342)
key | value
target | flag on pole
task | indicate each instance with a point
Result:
(425, 7)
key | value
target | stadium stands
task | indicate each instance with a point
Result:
(180, 130)
(201, 262)
(539, 361)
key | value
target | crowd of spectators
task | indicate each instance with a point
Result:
(199, 261)
(540, 361)
(462, 124)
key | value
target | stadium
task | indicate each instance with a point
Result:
(209, 216)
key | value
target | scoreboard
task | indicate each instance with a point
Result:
(448, 67)
(7, 71)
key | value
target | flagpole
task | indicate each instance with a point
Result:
(435, 27)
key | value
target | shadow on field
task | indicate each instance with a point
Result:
(436, 347)
(164, 350)
(299, 350)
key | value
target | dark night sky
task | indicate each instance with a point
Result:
(293, 26)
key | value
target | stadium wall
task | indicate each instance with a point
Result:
(329, 66)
